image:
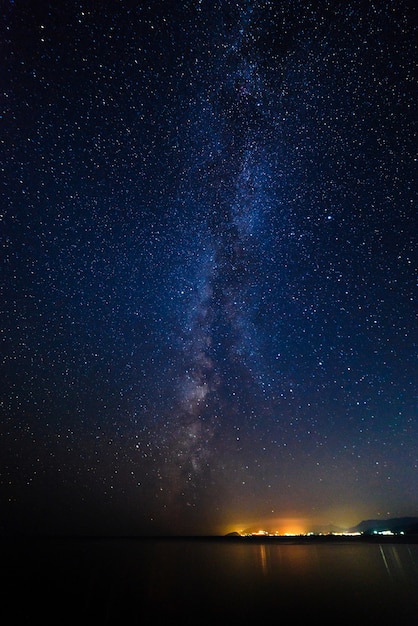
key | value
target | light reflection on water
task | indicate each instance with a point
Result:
(213, 582)
(361, 583)
(263, 559)
(399, 563)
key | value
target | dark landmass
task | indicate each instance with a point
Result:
(250, 539)
(401, 529)
(311, 539)
(397, 527)
(407, 525)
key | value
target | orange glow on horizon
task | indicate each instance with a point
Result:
(278, 526)
(291, 526)
(331, 519)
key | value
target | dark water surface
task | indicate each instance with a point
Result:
(208, 581)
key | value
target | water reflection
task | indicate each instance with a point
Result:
(213, 582)
(400, 562)
(359, 583)
(263, 558)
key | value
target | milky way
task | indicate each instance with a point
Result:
(209, 239)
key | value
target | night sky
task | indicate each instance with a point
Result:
(208, 265)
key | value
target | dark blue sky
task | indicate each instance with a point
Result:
(209, 265)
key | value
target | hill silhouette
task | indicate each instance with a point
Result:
(407, 525)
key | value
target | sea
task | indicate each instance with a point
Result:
(208, 581)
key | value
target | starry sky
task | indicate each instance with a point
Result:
(209, 265)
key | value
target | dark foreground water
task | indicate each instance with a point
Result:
(207, 581)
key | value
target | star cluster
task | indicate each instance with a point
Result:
(209, 265)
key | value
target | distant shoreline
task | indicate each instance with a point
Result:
(248, 539)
